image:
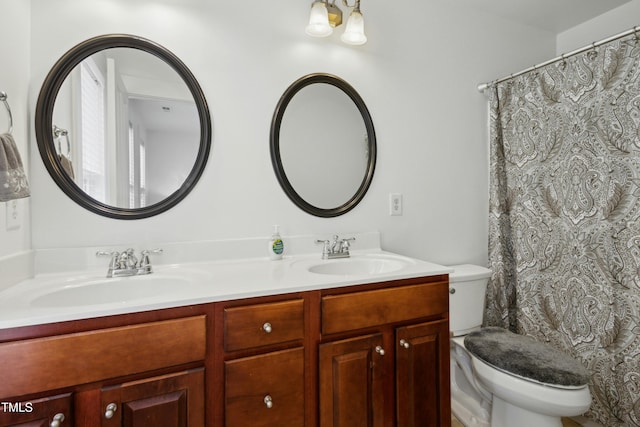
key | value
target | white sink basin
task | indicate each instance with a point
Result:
(369, 264)
(91, 291)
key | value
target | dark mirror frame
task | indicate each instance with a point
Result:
(44, 117)
(276, 159)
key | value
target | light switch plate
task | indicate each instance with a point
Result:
(14, 218)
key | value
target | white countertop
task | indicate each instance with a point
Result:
(214, 281)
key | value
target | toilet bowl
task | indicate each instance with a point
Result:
(501, 379)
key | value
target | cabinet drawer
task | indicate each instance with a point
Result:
(365, 309)
(263, 324)
(97, 355)
(38, 412)
(265, 390)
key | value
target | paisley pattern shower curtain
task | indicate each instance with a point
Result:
(564, 220)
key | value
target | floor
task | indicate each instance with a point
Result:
(566, 422)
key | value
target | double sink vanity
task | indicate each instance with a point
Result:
(240, 341)
(303, 341)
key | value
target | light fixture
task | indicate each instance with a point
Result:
(319, 20)
(325, 16)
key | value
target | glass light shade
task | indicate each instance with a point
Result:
(318, 21)
(354, 33)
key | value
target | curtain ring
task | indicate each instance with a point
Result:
(594, 51)
(563, 62)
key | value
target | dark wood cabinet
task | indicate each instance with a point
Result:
(368, 380)
(370, 355)
(351, 382)
(147, 355)
(422, 375)
(43, 412)
(265, 390)
(173, 400)
(264, 362)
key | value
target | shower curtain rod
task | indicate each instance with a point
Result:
(484, 86)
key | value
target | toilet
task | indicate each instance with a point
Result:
(502, 379)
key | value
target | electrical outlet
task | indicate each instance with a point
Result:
(395, 204)
(14, 219)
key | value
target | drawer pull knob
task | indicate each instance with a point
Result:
(111, 409)
(404, 343)
(57, 420)
(380, 350)
(267, 327)
(268, 401)
(452, 291)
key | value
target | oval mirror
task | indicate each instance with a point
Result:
(123, 126)
(323, 145)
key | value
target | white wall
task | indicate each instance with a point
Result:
(14, 72)
(418, 75)
(606, 25)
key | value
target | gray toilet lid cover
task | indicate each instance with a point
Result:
(525, 357)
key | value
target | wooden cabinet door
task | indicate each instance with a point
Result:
(265, 390)
(422, 375)
(37, 413)
(351, 382)
(174, 400)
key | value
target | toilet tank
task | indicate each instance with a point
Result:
(467, 287)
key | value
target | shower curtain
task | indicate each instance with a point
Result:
(564, 219)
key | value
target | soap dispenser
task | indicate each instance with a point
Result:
(276, 245)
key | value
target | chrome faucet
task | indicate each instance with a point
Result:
(338, 248)
(126, 263)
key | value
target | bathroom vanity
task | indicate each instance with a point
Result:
(324, 354)
(359, 341)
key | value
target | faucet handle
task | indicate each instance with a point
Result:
(145, 262)
(113, 264)
(145, 253)
(345, 245)
(326, 248)
(114, 256)
(106, 253)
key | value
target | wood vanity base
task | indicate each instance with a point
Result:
(374, 355)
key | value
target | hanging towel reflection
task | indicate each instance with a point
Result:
(64, 159)
(13, 181)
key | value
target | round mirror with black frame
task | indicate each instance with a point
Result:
(323, 145)
(123, 127)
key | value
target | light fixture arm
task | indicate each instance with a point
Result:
(355, 6)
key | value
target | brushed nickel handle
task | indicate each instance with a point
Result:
(452, 291)
(57, 420)
(404, 344)
(268, 401)
(267, 327)
(380, 350)
(110, 410)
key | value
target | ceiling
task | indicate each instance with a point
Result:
(553, 15)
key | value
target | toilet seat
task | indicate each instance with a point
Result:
(523, 357)
(530, 395)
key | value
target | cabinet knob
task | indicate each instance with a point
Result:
(111, 409)
(380, 350)
(404, 343)
(267, 327)
(268, 401)
(452, 291)
(57, 420)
